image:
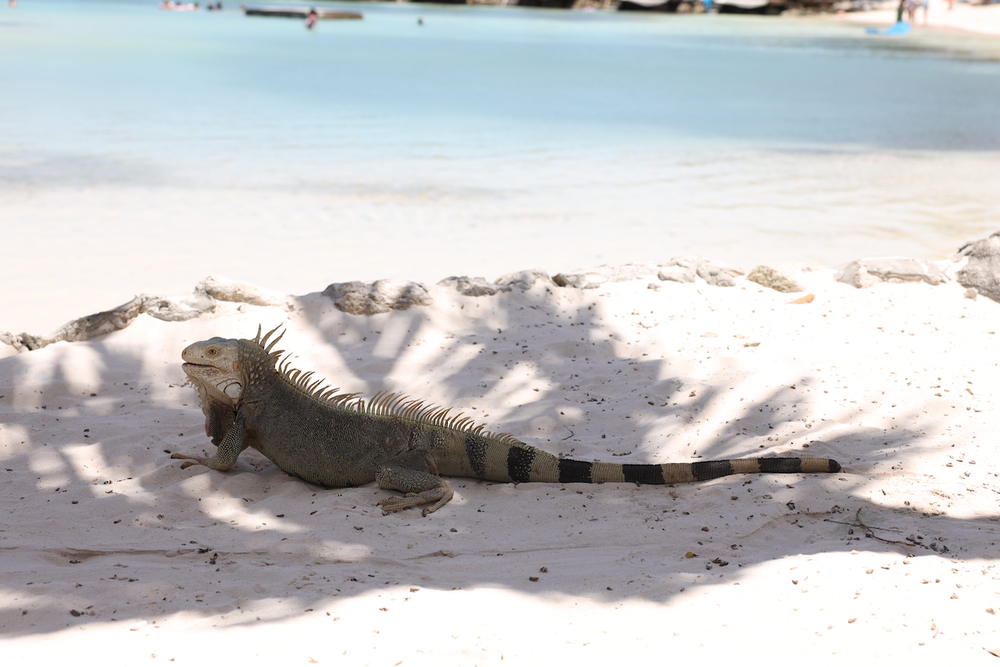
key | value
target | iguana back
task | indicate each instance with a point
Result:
(252, 399)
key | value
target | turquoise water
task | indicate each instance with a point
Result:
(142, 150)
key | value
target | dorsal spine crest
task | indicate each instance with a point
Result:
(382, 404)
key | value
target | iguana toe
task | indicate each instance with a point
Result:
(396, 503)
(438, 495)
(192, 460)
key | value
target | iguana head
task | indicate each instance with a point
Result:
(225, 371)
(226, 368)
(214, 367)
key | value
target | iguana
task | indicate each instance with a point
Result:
(253, 398)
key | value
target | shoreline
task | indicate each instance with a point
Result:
(976, 19)
(809, 182)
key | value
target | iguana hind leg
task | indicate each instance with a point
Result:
(415, 474)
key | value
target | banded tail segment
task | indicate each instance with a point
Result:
(675, 473)
(522, 463)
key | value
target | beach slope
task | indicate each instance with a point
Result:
(110, 549)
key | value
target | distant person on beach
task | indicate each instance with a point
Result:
(420, 20)
(311, 19)
(12, 4)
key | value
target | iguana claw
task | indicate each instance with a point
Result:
(192, 460)
(438, 496)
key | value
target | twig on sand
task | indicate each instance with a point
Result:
(858, 523)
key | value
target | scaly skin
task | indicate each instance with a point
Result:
(336, 440)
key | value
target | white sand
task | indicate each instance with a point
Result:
(112, 552)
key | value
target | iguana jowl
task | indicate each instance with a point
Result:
(251, 399)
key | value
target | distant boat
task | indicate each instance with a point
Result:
(899, 28)
(300, 12)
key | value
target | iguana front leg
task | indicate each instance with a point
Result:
(229, 449)
(415, 474)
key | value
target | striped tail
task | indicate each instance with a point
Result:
(671, 473)
(523, 463)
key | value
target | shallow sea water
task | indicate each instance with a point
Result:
(142, 150)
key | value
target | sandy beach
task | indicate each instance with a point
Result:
(981, 19)
(111, 549)
(114, 553)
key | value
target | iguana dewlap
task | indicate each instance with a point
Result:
(337, 440)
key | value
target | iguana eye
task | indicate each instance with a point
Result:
(211, 352)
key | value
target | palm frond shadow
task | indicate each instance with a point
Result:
(134, 537)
